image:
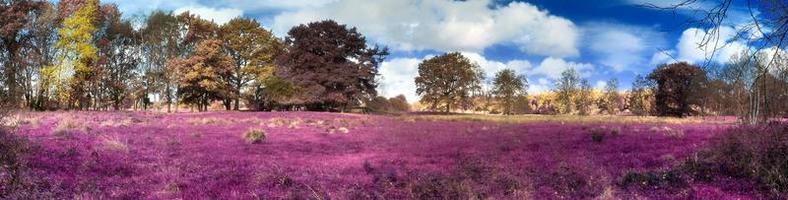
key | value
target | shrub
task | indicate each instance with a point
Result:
(573, 182)
(656, 180)
(597, 135)
(11, 150)
(254, 136)
(759, 153)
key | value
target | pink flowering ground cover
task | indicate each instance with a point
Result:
(304, 155)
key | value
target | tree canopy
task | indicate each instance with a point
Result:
(674, 93)
(508, 86)
(448, 81)
(331, 63)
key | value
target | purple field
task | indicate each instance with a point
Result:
(101, 155)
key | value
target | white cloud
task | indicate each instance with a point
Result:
(600, 85)
(622, 47)
(700, 46)
(220, 16)
(539, 86)
(553, 67)
(397, 77)
(696, 45)
(491, 67)
(446, 25)
(267, 5)
(270, 6)
(662, 57)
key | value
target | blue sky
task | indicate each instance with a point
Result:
(602, 39)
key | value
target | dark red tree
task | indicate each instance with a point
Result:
(676, 86)
(331, 64)
(14, 16)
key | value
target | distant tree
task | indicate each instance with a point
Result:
(674, 93)
(566, 89)
(379, 104)
(585, 98)
(331, 64)
(199, 80)
(447, 80)
(641, 96)
(508, 87)
(610, 101)
(399, 103)
(15, 16)
(253, 50)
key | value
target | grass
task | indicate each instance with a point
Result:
(68, 126)
(530, 118)
(212, 156)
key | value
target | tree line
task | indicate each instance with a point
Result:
(83, 55)
(753, 88)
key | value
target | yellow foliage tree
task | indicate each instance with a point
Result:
(78, 54)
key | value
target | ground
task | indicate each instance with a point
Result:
(304, 155)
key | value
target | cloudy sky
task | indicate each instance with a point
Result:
(538, 38)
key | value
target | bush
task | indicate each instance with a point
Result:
(597, 135)
(655, 180)
(759, 153)
(11, 150)
(254, 136)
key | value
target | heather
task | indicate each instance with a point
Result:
(758, 154)
(306, 155)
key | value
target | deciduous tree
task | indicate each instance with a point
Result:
(508, 87)
(117, 53)
(200, 76)
(78, 53)
(331, 63)
(447, 80)
(15, 16)
(610, 101)
(585, 98)
(641, 96)
(674, 93)
(253, 50)
(566, 88)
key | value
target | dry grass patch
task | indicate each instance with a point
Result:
(254, 136)
(117, 122)
(17, 120)
(574, 119)
(68, 126)
(667, 131)
(114, 144)
(334, 129)
(209, 121)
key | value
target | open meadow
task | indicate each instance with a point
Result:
(306, 155)
(393, 99)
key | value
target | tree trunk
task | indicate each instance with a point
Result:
(10, 72)
(169, 98)
(237, 103)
